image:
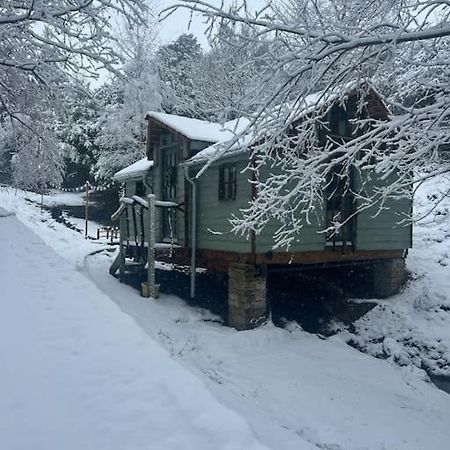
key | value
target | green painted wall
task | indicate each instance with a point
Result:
(196, 146)
(382, 230)
(373, 231)
(309, 238)
(213, 215)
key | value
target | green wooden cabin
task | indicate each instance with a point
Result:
(173, 159)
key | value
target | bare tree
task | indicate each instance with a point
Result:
(331, 48)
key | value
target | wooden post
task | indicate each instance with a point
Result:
(86, 209)
(151, 283)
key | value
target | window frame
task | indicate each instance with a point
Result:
(227, 182)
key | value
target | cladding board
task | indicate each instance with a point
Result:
(213, 226)
(385, 229)
(310, 238)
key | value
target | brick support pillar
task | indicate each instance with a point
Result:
(388, 277)
(247, 304)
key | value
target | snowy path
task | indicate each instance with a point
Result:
(290, 385)
(294, 390)
(76, 373)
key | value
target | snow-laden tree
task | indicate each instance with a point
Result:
(35, 157)
(80, 111)
(126, 100)
(227, 73)
(44, 46)
(215, 84)
(42, 40)
(334, 47)
(179, 67)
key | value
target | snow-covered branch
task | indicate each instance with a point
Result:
(319, 55)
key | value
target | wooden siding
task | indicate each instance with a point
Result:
(382, 231)
(309, 239)
(130, 188)
(196, 146)
(157, 185)
(213, 215)
(181, 213)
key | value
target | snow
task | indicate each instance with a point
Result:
(289, 112)
(201, 130)
(95, 366)
(55, 197)
(135, 170)
(81, 374)
(414, 326)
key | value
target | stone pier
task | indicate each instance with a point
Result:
(388, 277)
(247, 300)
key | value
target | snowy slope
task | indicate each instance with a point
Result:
(414, 326)
(294, 390)
(78, 374)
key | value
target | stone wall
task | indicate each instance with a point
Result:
(247, 304)
(388, 277)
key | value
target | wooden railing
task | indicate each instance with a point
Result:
(137, 229)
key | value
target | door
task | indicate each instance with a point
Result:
(340, 211)
(169, 192)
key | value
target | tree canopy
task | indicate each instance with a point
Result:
(398, 47)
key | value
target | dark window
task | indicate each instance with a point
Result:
(227, 182)
(140, 189)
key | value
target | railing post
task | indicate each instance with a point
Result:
(86, 208)
(153, 289)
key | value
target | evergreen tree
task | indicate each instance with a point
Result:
(178, 68)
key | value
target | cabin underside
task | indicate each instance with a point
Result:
(220, 261)
(247, 273)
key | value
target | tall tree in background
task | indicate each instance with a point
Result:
(121, 126)
(228, 73)
(334, 46)
(77, 131)
(178, 67)
(216, 84)
(44, 46)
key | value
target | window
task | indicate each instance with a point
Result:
(140, 189)
(227, 182)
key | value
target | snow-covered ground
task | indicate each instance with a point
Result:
(83, 373)
(55, 197)
(77, 373)
(414, 326)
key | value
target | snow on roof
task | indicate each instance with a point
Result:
(289, 112)
(200, 130)
(134, 170)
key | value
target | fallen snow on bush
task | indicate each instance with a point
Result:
(414, 326)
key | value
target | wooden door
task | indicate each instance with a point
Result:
(169, 192)
(340, 209)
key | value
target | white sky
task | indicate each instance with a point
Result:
(178, 23)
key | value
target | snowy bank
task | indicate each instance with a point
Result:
(414, 326)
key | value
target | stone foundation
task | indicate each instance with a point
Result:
(247, 303)
(388, 277)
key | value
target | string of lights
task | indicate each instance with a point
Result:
(91, 187)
